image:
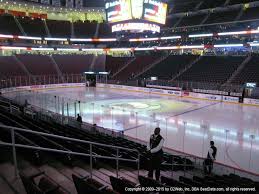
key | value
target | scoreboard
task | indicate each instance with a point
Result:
(118, 10)
(155, 11)
(121, 13)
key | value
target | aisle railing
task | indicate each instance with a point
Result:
(117, 158)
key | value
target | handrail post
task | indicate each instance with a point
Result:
(63, 110)
(195, 162)
(172, 174)
(14, 153)
(184, 168)
(10, 105)
(75, 108)
(91, 160)
(67, 110)
(117, 162)
(138, 162)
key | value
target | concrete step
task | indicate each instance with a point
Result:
(27, 168)
(64, 170)
(5, 188)
(121, 173)
(7, 173)
(135, 172)
(59, 178)
(109, 171)
(102, 178)
(129, 175)
(84, 172)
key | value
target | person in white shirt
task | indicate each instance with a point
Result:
(154, 146)
(211, 157)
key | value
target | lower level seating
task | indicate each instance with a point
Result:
(114, 63)
(136, 66)
(212, 69)
(73, 64)
(38, 64)
(10, 67)
(169, 67)
(250, 73)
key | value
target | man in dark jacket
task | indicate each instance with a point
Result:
(79, 118)
(155, 145)
(211, 157)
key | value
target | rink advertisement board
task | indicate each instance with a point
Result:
(50, 86)
(251, 101)
(140, 89)
(14, 89)
(230, 99)
(163, 87)
(205, 96)
(174, 93)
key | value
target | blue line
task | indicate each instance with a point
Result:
(133, 127)
(177, 115)
(188, 111)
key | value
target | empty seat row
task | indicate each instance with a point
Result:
(250, 72)
(113, 64)
(169, 67)
(26, 64)
(212, 69)
(135, 67)
(56, 28)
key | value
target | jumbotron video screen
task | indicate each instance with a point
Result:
(118, 11)
(154, 11)
(122, 14)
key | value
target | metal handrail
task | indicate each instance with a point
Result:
(67, 138)
(117, 158)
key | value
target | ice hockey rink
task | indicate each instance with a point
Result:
(187, 125)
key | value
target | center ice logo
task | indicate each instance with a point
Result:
(137, 105)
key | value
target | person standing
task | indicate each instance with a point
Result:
(211, 157)
(79, 118)
(154, 146)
